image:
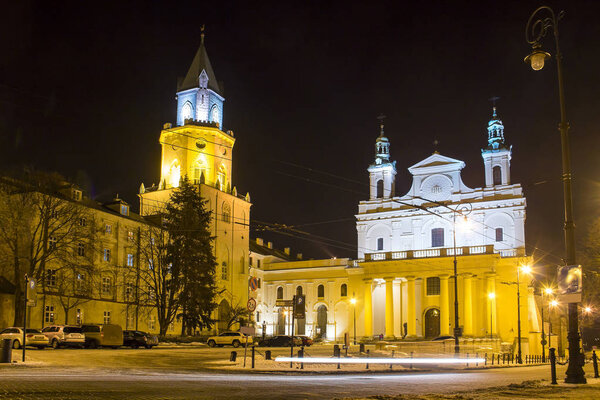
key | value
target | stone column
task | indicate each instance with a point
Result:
(444, 306)
(410, 315)
(368, 307)
(389, 307)
(492, 317)
(468, 304)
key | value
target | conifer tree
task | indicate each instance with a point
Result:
(191, 256)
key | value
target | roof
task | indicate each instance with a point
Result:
(200, 62)
(437, 160)
(265, 251)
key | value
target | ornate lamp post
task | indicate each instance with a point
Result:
(536, 29)
(491, 296)
(353, 301)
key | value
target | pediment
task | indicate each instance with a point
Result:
(436, 163)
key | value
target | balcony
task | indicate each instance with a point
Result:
(442, 252)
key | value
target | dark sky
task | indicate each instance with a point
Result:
(86, 87)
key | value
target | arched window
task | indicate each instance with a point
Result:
(187, 111)
(344, 290)
(279, 293)
(380, 188)
(497, 174)
(222, 178)
(299, 291)
(225, 214)
(321, 291)
(198, 170)
(214, 114)
(175, 174)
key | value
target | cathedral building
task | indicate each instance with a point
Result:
(402, 284)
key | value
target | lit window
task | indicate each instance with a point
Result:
(433, 286)
(80, 282)
(379, 244)
(437, 237)
(124, 209)
(106, 255)
(50, 277)
(214, 114)
(321, 291)
(79, 316)
(499, 234)
(107, 317)
(49, 314)
(186, 111)
(130, 236)
(108, 228)
(80, 249)
(130, 260)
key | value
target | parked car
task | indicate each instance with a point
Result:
(135, 339)
(281, 341)
(98, 335)
(440, 338)
(33, 337)
(306, 341)
(64, 335)
(235, 339)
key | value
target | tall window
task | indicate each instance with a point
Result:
(499, 234)
(106, 286)
(80, 249)
(49, 315)
(80, 282)
(108, 228)
(52, 242)
(106, 255)
(129, 292)
(107, 317)
(130, 236)
(224, 271)
(379, 244)
(124, 209)
(82, 222)
(321, 291)
(79, 316)
(279, 293)
(437, 237)
(433, 286)
(50, 277)
(497, 174)
(130, 260)
(187, 111)
(380, 188)
(344, 290)
(151, 323)
(226, 212)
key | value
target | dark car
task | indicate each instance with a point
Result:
(306, 341)
(281, 341)
(440, 338)
(135, 339)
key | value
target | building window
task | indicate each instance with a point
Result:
(106, 286)
(151, 323)
(130, 260)
(52, 242)
(497, 174)
(280, 293)
(380, 188)
(258, 263)
(224, 271)
(225, 217)
(80, 249)
(250, 261)
(344, 290)
(76, 195)
(321, 291)
(50, 277)
(82, 222)
(107, 317)
(49, 315)
(106, 255)
(129, 292)
(130, 236)
(499, 234)
(80, 282)
(379, 244)
(79, 316)
(433, 286)
(124, 209)
(259, 283)
(108, 228)
(437, 237)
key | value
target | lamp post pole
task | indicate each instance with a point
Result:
(543, 332)
(519, 353)
(536, 29)
(456, 327)
(353, 301)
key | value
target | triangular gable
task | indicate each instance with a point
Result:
(438, 162)
(200, 63)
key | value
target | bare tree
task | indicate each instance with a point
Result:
(41, 226)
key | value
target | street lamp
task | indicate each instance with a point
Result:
(353, 301)
(552, 304)
(536, 29)
(491, 296)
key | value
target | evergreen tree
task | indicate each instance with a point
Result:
(190, 254)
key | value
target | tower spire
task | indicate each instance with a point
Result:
(495, 129)
(202, 35)
(382, 144)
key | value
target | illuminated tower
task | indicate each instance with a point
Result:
(496, 155)
(382, 173)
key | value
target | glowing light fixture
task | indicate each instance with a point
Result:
(526, 269)
(537, 58)
(491, 296)
(553, 303)
(353, 301)
(587, 309)
(549, 291)
(327, 360)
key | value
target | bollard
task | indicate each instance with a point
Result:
(301, 355)
(411, 356)
(6, 356)
(253, 354)
(338, 357)
(477, 356)
(485, 358)
(595, 360)
(368, 354)
(493, 358)
(267, 354)
(362, 348)
(553, 365)
(233, 356)
(336, 350)
(392, 357)
(467, 360)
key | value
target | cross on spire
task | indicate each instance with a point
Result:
(493, 99)
(202, 34)
(381, 119)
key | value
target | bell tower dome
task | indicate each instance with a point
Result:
(382, 173)
(497, 154)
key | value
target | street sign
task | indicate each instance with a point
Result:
(31, 290)
(299, 307)
(248, 330)
(458, 332)
(253, 283)
(569, 283)
(251, 304)
(31, 303)
(284, 303)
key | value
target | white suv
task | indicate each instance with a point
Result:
(235, 339)
(64, 335)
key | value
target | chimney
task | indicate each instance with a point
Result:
(259, 241)
(287, 251)
(270, 245)
(299, 256)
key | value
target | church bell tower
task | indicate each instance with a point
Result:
(497, 154)
(382, 173)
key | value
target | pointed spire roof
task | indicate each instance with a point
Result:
(200, 63)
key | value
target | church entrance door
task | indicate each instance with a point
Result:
(432, 323)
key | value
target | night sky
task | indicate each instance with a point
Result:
(85, 88)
